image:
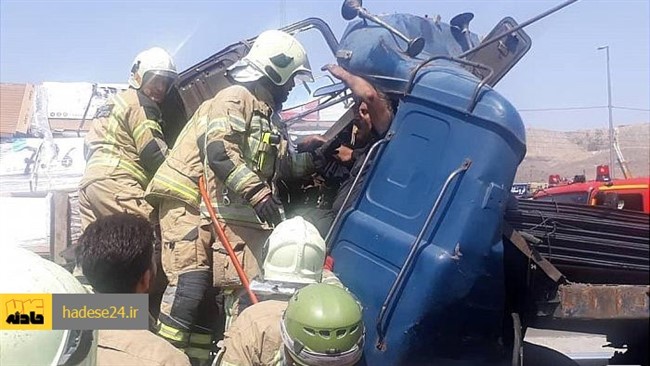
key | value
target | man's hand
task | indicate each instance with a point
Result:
(268, 210)
(344, 154)
(336, 71)
(310, 143)
(325, 152)
(377, 104)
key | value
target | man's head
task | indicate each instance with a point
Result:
(275, 60)
(364, 123)
(323, 325)
(117, 254)
(23, 272)
(153, 72)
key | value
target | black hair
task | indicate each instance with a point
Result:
(116, 251)
(391, 100)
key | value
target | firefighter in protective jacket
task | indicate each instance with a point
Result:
(231, 142)
(125, 146)
(320, 325)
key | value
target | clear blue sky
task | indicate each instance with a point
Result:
(95, 41)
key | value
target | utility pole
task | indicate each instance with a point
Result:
(612, 167)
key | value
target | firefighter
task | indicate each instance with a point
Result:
(320, 325)
(21, 272)
(295, 258)
(125, 146)
(231, 142)
(118, 258)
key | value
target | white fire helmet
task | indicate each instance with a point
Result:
(295, 252)
(154, 61)
(275, 54)
(21, 272)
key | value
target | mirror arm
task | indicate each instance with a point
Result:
(488, 42)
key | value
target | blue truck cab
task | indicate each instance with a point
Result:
(422, 247)
(433, 246)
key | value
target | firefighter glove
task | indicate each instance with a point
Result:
(268, 210)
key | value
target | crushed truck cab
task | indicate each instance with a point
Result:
(423, 245)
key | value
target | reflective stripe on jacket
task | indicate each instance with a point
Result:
(126, 140)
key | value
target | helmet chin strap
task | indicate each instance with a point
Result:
(266, 91)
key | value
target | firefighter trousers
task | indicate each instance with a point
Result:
(188, 309)
(105, 197)
(248, 244)
(110, 196)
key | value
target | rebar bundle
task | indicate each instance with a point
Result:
(587, 237)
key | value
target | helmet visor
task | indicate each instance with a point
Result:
(161, 73)
(156, 84)
(303, 75)
(311, 358)
(166, 77)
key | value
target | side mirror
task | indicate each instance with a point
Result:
(502, 55)
(611, 200)
(332, 89)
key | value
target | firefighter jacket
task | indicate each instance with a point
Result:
(254, 338)
(126, 140)
(137, 347)
(231, 142)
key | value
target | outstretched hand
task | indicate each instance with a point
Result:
(336, 71)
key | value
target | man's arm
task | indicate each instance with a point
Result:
(362, 89)
(224, 155)
(223, 145)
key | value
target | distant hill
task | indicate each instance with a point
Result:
(578, 152)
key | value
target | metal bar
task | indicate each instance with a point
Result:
(474, 99)
(371, 152)
(515, 29)
(411, 255)
(320, 25)
(90, 100)
(529, 251)
(344, 121)
(327, 104)
(609, 109)
(60, 225)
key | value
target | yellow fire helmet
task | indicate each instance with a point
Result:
(275, 54)
(295, 252)
(155, 61)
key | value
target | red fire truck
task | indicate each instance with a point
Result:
(627, 194)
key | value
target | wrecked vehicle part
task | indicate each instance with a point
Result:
(446, 308)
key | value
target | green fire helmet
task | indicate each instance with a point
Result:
(323, 326)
